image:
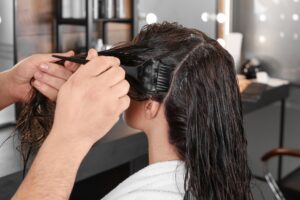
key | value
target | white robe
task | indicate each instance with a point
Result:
(159, 181)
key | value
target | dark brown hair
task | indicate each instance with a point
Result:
(202, 107)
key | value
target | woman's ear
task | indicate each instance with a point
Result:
(151, 109)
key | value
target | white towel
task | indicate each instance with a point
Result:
(159, 181)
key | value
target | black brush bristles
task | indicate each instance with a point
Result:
(163, 78)
(151, 78)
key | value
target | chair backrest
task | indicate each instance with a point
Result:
(274, 186)
(268, 176)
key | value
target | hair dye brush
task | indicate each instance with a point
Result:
(150, 77)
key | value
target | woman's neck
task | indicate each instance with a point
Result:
(159, 147)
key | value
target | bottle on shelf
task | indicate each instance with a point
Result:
(73, 9)
(109, 9)
(123, 9)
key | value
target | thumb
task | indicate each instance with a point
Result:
(92, 54)
(68, 53)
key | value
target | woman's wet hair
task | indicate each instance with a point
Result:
(202, 108)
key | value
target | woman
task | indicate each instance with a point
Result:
(194, 125)
(197, 146)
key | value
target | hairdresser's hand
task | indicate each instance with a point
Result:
(90, 102)
(41, 72)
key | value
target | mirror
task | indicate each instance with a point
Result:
(199, 14)
(7, 59)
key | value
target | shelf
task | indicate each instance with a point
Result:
(89, 23)
(114, 20)
(71, 21)
(82, 22)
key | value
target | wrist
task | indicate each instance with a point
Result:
(65, 137)
(13, 87)
(19, 87)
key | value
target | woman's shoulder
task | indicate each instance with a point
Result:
(163, 180)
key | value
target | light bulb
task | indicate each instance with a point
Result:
(296, 36)
(295, 17)
(262, 39)
(205, 17)
(262, 18)
(151, 18)
(221, 18)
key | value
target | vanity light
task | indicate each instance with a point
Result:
(295, 17)
(0, 19)
(151, 18)
(262, 18)
(221, 18)
(205, 17)
(296, 36)
(262, 39)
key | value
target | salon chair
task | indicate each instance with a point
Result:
(289, 186)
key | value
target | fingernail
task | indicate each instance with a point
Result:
(44, 66)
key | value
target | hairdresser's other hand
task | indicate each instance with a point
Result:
(91, 101)
(39, 71)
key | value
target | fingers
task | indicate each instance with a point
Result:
(124, 103)
(45, 89)
(55, 70)
(113, 76)
(92, 54)
(102, 64)
(71, 66)
(98, 64)
(49, 58)
(47, 79)
(121, 89)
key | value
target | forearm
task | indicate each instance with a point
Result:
(6, 93)
(53, 172)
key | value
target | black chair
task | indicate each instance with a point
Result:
(289, 186)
